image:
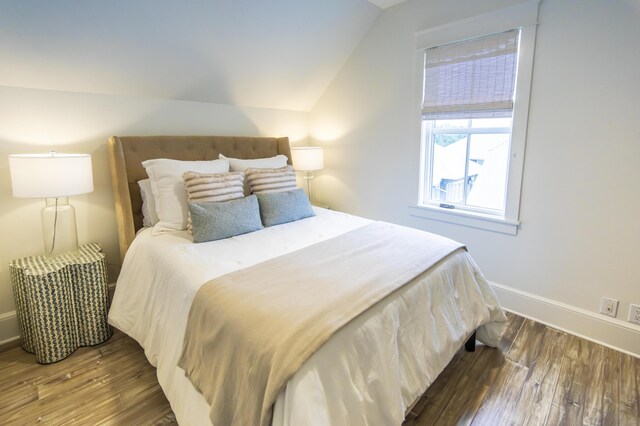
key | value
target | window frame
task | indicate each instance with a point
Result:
(523, 17)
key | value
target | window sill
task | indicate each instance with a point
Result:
(464, 218)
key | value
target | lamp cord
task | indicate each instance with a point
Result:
(55, 226)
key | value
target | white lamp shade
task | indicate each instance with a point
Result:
(307, 158)
(50, 175)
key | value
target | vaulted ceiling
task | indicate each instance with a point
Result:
(386, 3)
(274, 54)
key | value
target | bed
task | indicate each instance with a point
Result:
(368, 372)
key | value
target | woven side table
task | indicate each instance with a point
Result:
(62, 303)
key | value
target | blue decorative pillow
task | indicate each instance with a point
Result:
(283, 207)
(219, 220)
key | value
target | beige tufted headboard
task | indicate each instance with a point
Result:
(126, 153)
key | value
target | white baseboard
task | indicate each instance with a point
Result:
(9, 327)
(611, 332)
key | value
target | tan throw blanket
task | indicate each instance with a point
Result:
(249, 331)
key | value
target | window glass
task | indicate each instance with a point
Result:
(450, 124)
(491, 122)
(470, 168)
(488, 166)
(448, 173)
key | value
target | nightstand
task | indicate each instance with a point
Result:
(61, 303)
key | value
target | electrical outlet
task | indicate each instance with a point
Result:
(609, 307)
(634, 313)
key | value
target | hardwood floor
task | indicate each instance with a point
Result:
(537, 376)
(110, 383)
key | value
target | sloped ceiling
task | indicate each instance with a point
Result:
(273, 54)
(386, 3)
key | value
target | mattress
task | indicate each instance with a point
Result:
(368, 373)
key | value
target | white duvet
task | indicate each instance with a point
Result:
(368, 373)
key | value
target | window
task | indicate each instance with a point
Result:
(474, 95)
(468, 163)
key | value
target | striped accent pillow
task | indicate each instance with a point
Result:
(212, 187)
(271, 180)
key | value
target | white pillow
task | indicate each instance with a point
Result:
(169, 191)
(240, 165)
(149, 213)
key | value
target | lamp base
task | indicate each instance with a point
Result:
(308, 176)
(59, 227)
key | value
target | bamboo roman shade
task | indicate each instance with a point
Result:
(471, 79)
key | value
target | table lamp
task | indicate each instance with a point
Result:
(53, 177)
(307, 159)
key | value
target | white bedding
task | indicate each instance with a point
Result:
(368, 373)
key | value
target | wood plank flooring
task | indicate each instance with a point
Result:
(112, 383)
(537, 376)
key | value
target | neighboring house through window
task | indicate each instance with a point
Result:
(476, 79)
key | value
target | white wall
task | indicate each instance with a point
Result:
(39, 120)
(270, 54)
(579, 211)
